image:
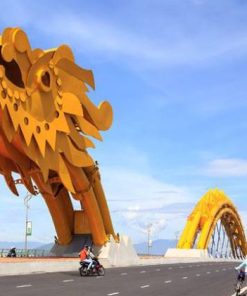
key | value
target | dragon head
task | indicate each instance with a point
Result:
(45, 113)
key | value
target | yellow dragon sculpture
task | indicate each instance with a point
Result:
(46, 121)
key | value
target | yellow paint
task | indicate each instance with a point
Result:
(81, 223)
(47, 123)
(212, 207)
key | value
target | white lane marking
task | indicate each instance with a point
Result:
(208, 272)
(66, 281)
(170, 268)
(223, 269)
(216, 270)
(190, 266)
(241, 292)
(124, 273)
(24, 286)
(114, 293)
(145, 286)
(184, 278)
(157, 269)
(99, 277)
(143, 271)
(168, 282)
(198, 274)
(181, 267)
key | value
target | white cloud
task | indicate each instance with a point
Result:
(132, 213)
(226, 167)
(137, 199)
(175, 44)
(159, 226)
(109, 39)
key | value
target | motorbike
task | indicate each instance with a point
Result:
(239, 282)
(96, 269)
(12, 252)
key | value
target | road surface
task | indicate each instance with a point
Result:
(194, 279)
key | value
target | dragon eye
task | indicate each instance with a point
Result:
(44, 79)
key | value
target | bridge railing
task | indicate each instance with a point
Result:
(26, 253)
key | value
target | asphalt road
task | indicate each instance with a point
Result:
(200, 279)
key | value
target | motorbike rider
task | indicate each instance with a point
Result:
(12, 252)
(87, 256)
(242, 270)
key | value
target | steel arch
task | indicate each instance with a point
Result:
(201, 224)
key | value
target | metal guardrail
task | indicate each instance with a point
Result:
(26, 253)
(149, 255)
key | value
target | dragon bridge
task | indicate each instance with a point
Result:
(215, 225)
(47, 122)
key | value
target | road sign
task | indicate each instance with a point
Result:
(29, 228)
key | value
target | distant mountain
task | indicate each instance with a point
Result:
(159, 246)
(46, 247)
(20, 245)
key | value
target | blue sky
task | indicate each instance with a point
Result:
(175, 74)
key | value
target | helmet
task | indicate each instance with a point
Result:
(86, 246)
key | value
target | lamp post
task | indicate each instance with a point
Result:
(177, 236)
(149, 237)
(28, 225)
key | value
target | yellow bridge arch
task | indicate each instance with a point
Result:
(202, 226)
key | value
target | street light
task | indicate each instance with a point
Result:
(149, 237)
(28, 224)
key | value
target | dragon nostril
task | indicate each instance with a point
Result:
(45, 78)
